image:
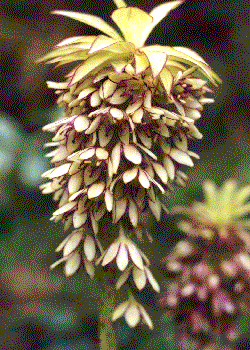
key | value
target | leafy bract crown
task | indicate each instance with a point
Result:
(113, 48)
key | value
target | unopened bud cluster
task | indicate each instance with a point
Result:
(129, 112)
(209, 271)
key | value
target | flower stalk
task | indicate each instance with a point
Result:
(130, 110)
(108, 330)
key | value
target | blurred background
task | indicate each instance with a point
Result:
(43, 310)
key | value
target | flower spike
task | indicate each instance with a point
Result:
(130, 110)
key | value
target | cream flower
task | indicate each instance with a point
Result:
(133, 313)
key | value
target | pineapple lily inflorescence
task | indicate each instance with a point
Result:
(209, 270)
(129, 112)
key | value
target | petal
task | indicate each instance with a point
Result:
(133, 213)
(81, 123)
(108, 200)
(137, 116)
(57, 172)
(79, 219)
(101, 153)
(58, 86)
(123, 278)
(130, 175)
(62, 244)
(145, 316)
(119, 97)
(111, 253)
(161, 172)
(96, 190)
(134, 106)
(119, 209)
(148, 99)
(146, 150)
(122, 257)
(94, 224)
(65, 208)
(56, 263)
(94, 125)
(132, 315)
(135, 255)
(145, 138)
(143, 179)
(152, 280)
(132, 154)
(181, 157)
(90, 269)
(116, 113)
(75, 182)
(72, 243)
(139, 278)
(116, 156)
(119, 311)
(72, 264)
(93, 21)
(107, 89)
(193, 131)
(86, 92)
(169, 166)
(89, 248)
(155, 207)
(95, 99)
(87, 153)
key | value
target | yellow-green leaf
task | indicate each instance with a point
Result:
(167, 80)
(76, 39)
(121, 47)
(93, 21)
(101, 42)
(197, 59)
(141, 63)
(157, 58)
(76, 56)
(90, 64)
(132, 22)
(183, 55)
(63, 52)
(158, 13)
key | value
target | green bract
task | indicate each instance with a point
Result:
(104, 50)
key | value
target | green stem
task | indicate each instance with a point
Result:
(108, 332)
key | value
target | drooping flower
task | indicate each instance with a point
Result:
(133, 313)
(129, 112)
(209, 271)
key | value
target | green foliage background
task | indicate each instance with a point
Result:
(43, 310)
